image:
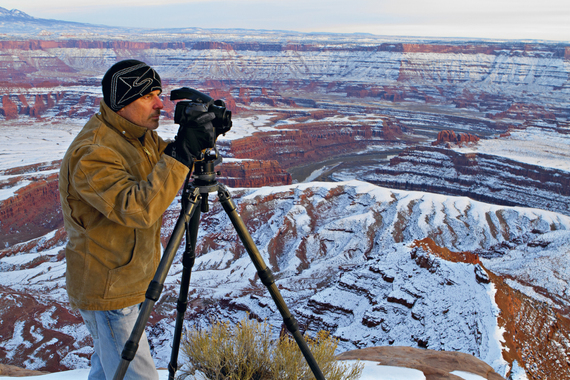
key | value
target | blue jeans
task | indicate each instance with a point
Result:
(110, 331)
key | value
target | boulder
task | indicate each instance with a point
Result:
(436, 365)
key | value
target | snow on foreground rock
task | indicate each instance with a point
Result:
(372, 371)
(374, 266)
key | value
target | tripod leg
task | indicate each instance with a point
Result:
(155, 287)
(188, 262)
(267, 279)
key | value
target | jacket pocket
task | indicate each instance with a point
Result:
(133, 278)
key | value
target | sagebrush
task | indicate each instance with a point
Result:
(247, 351)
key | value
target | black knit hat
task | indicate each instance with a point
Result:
(128, 80)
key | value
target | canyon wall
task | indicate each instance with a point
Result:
(253, 174)
(433, 72)
(34, 209)
(483, 177)
(298, 144)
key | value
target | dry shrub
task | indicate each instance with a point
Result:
(246, 351)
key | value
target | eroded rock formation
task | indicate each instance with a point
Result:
(357, 260)
(446, 137)
(301, 143)
(253, 174)
(34, 209)
(435, 365)
(479, 176)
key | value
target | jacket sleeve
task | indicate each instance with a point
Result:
(101, 179)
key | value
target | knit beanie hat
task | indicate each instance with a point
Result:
(128, 80)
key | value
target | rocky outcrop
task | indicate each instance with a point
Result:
(479, 176)
(447, 137)
(14, 371)
(519, 111)
(435, 365)
(52, 343)
(14, 105)
(375, 267)
(524, 319)
(253, 174)
(33, 210)
(9, 109)
(490, 77)
(311, 141)
(532, 331)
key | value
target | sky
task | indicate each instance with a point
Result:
(495, 19)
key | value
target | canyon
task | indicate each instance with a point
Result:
(391, 185)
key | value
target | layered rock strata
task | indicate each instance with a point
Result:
(483, 177)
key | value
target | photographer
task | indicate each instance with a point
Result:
(117, 179)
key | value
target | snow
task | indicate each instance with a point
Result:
(219, 274)
(467, 375)
(47, 141)
(244, 127)
(497, 344)
(549, 252)
(536, 146)
(372, 371)
(6, 193)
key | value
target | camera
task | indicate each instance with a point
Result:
(198, 103)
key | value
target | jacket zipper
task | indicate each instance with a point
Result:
(148, 154)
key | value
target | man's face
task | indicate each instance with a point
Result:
(144, 111)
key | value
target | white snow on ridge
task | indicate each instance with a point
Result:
(447, 313)
(536, 146)
(9, 192)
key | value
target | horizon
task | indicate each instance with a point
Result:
(486, 19)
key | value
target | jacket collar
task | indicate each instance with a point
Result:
(122, 125)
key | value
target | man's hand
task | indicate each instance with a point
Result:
(192, 139)
(199, 131)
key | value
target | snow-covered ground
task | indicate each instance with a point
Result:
(450, 301)
(372, 371)
(536, 146)
(26, 141)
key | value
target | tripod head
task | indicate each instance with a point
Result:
(205, 175)
(191, 106)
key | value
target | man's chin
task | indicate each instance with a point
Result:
(152, 125)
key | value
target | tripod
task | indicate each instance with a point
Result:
(195, 193)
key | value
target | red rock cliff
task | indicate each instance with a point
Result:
(302, 143)
(445, 137)
(33, 210)
(253, 174)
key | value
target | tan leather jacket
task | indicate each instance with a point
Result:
(113, 190)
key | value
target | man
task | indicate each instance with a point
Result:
(116, 180)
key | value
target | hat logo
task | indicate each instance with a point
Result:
(131, 86)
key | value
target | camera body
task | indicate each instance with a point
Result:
(198, 103)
